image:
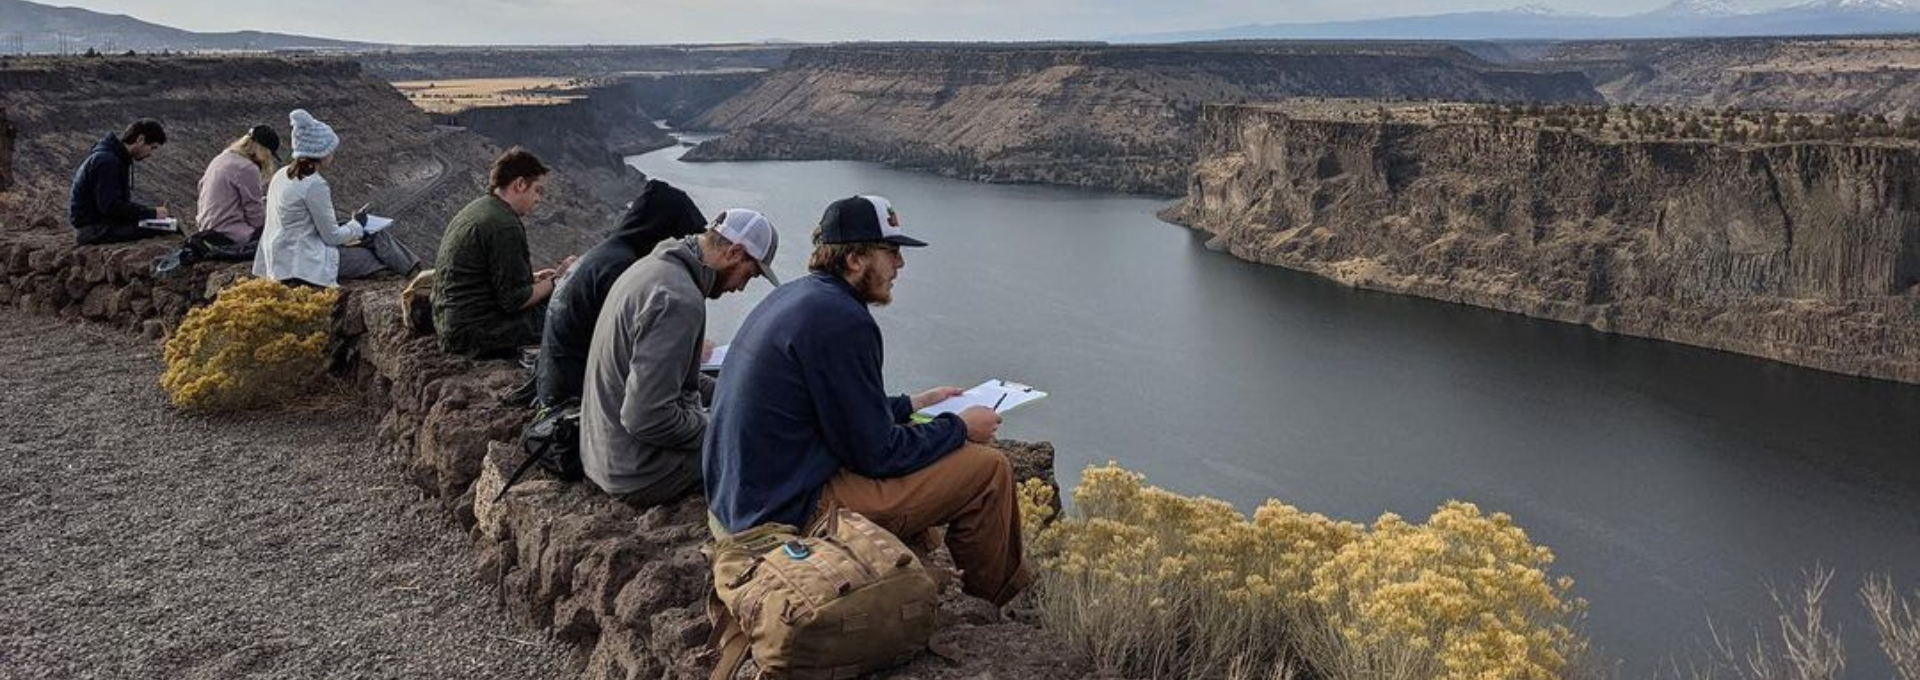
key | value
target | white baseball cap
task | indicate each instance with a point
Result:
(753, 232)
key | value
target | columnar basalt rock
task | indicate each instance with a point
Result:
(1807, 253)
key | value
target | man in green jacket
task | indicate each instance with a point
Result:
(488, 302)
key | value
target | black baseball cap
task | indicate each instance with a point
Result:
(861, 219)
(266, 137)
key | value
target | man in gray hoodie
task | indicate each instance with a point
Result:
(644, 407)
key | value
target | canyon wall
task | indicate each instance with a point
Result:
(566, 62)
(1109, 117)
(589, 135)
(678, 98)
(1866, 74)
(391, 154)
(1807, 253)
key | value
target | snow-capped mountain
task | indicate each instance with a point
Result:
(1699, 8)
(1895, 6)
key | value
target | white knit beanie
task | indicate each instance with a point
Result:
(311, 138)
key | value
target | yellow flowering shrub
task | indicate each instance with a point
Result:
(1149, 583)
(258, 343)
(1465, 596)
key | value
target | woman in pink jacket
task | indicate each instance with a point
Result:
(233, 190)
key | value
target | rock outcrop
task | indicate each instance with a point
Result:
(1863, 74)
(1807, 253)
(391, 154)
(625, 588)
(1110, 117)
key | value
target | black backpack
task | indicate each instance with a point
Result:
(204, 246)
(552, 442)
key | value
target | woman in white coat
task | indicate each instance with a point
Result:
(303, 242)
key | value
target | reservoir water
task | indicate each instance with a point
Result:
(1675, 484)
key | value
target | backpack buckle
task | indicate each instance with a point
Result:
(795, 550)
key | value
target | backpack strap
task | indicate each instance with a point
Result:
(515, 477)
(727, 638)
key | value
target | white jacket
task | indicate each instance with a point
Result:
(302, 238)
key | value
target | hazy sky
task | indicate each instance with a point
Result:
(659, 21)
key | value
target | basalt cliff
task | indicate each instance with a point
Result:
(1863, 74)
(589, 130)
(589, 133)
(1806, 252)
(1114, 117)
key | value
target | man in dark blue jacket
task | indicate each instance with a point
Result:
(802, 424)
(661, 212)
(101, 204)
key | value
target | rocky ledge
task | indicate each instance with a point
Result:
(624, 588)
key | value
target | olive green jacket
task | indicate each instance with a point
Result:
(483, 279)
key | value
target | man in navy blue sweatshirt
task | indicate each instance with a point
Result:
(802, 424)
(101, 204)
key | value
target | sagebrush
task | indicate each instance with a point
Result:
(258, 344)
(1148, 583)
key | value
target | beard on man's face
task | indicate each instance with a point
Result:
(873, 289)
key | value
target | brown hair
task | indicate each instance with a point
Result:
(146, 129)
(301, 168)
(832, 257)
(517, 163)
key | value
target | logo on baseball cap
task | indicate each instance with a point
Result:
(753, 232)
(864, 218)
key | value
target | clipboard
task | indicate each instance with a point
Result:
(1000, 395)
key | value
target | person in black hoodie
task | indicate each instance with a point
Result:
(661, 212)
(101, 204)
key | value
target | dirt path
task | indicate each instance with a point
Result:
(138, 543)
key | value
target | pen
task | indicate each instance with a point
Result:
(996, 404)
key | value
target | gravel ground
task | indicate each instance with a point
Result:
(139, 543)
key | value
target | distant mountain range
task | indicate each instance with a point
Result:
(29, 27)
(1683, 18)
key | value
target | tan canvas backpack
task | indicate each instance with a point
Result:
(416, 303)
(848, 600)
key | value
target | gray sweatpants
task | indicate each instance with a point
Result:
(374, 254)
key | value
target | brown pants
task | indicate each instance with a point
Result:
(971, 492)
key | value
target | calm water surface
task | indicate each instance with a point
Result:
(1674, 483)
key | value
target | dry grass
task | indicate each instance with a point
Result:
(1803, 646)
(453, 96)
(1898, 622)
